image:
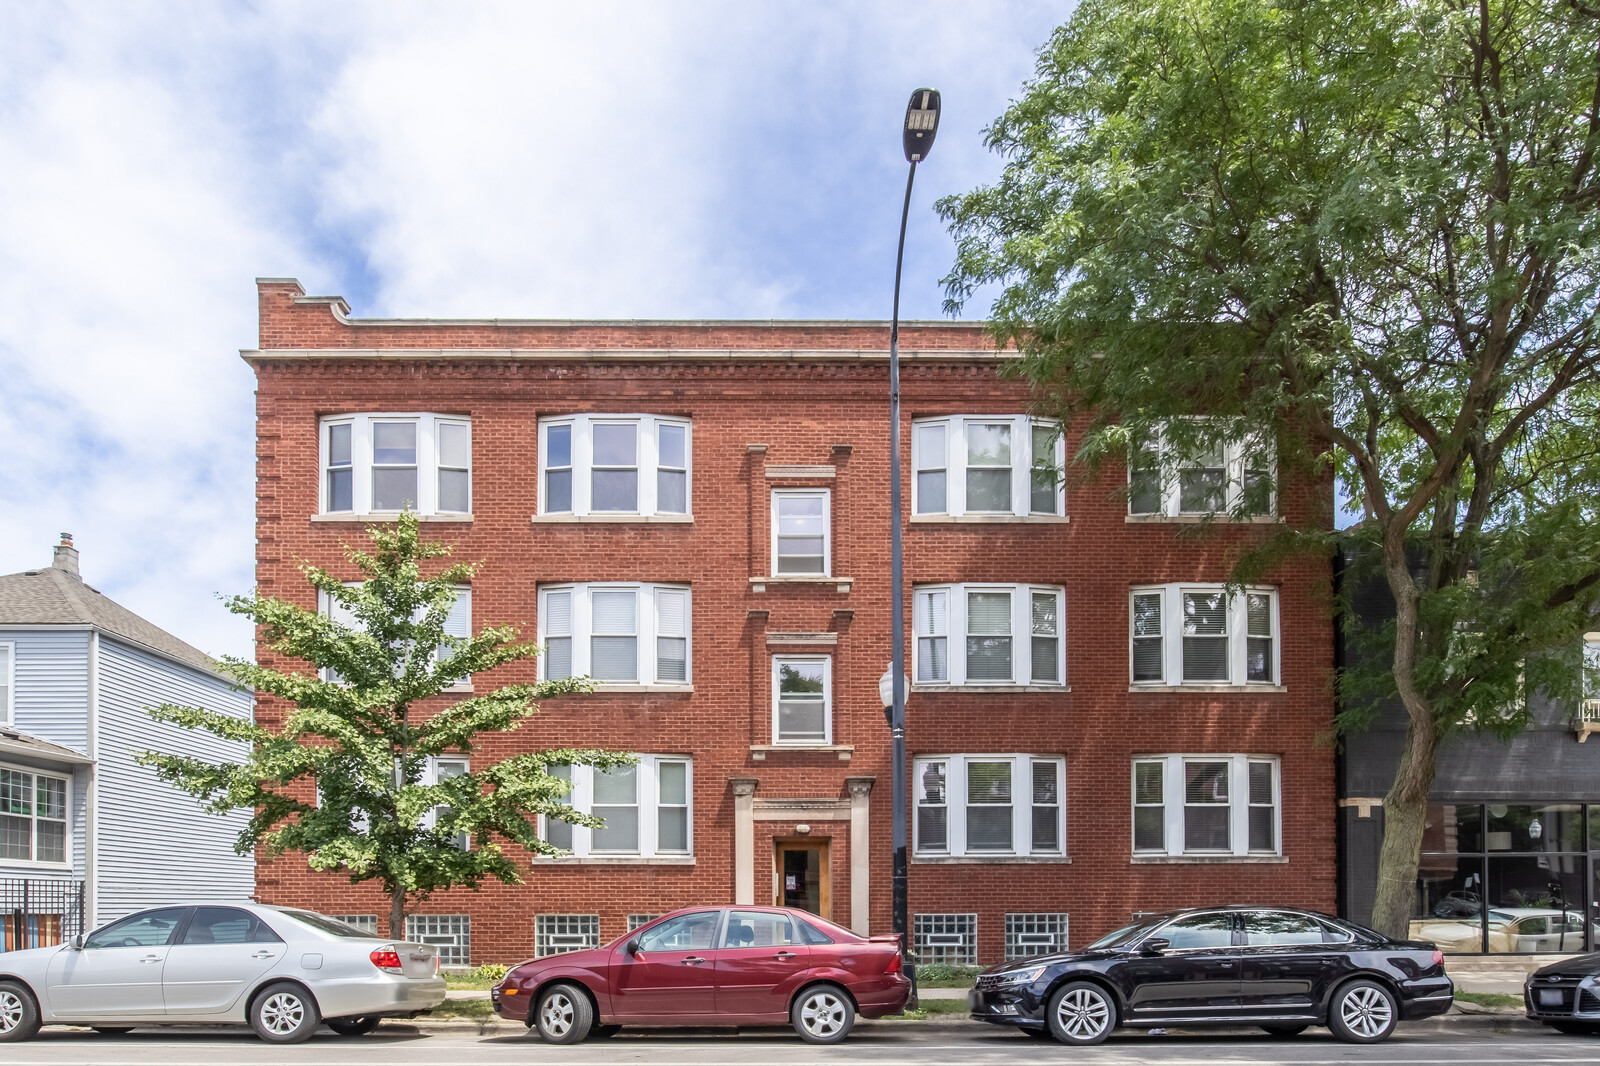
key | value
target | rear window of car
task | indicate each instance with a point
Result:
(821, 931)
(332, 926)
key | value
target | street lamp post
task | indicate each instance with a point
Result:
(922, 122)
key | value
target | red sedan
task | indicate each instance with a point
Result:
(712, 966)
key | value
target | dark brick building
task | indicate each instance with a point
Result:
(697, 512)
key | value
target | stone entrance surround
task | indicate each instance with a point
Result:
(748, 810)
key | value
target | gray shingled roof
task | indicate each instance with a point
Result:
(53, 596)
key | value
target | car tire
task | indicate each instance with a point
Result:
(360, 1025)
(284, 1013)
(1575, 1028)
(1081, 1013)
(822, 1014)
(1283, 1032)
(112, 1030)
(19, 1014)
(563, 1015)
(1363, 1012)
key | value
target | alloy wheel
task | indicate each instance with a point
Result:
(1083, 1013)
(1366, 1012)
(822, 1014)
(555, 1017)
(11, 1010)
(282, 1013)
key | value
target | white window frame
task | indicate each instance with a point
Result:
(361, 464)
(954, 462)
(457, 624)
(1021, 635)
(436, 763)
(955, 806)
(646, 440)
(646, 625)
(1174, 780)
(826, 495)
(1238, 635)
(648, 796)
(68, 843)
(827, 699)
(1234, 454)
(8, 679)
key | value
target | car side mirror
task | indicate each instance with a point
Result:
(631, 947)
(1155, 945)
(77, 942)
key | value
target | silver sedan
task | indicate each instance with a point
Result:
(277, 969)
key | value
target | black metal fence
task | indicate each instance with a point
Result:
(36, 913)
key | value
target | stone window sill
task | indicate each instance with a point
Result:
(759, 584)
(388, 516)
(1197, 519)
(606, 689)
(1203, 860)
(615, 860)
(611, 519)
(934, 689)
(1179, 689)
(990, 519)
(989, 860)
(760, 751)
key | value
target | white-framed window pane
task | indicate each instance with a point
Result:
(614, 645)
(558, 634)
(932, 629)
(455, 466)
(394, 465)
(1263, 807)
(672, 635)
(616, 799)
(672, 806)
(1206, 804)
(614, 475)
(1147, 653)
(1144, 480)
(1046, 638)
(801, 534)
(989, 806)
(558, 469)
(1205, 636)
(933, 812)
(341, 471)
(802, 701)
(5, 683)
(931, 473)
(989, 636)
(1202, 482)
(1258, 641)
(1257, 479)
(1044, 477)
(989, 466)
(672, 468)
(556, 831)
(1149, 806)
(1046, 806)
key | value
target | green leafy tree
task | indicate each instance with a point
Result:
(1365, 229)
(359, 740)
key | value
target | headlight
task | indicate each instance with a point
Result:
(1023, 977)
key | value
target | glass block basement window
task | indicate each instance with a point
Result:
(946, 938)
(450, 933)
(1035, 934)
(556, 934)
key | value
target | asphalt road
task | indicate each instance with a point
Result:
(895, 1044)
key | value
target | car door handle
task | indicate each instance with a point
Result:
(785, 955)
(151, 958)
(693, 960)
(265, 955)
(1225, 965)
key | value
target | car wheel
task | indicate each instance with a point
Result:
(823, 1014)
(1575, 1028)
(112, 1030)
(1081, 1013)
(1362, 1012)
(19, 1014)
(563, 1015)
(360, 1025)
(1283, 1032)
(284, 1013)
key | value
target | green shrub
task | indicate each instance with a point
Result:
(936, 974)
(490, 971)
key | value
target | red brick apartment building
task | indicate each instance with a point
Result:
(697, 513)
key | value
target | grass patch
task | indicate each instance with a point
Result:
(475, 1009)
(1489, 999)
(929, 1008)
(468, 982)
(943, 975)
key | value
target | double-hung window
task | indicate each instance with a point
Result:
(999, 805)
(8, 660)
(1191, 634)
(442, 769)
(1201, 467)
(647, 809)
(801, 533)
(1004, 634)
(33, 816)
(457, 627)
(987, 465)
(802, 699)
(619, 634)
(384, 463)
(1206, 805)
(620, 466)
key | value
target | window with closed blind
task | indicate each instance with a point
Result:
(1004, 635)
(1206, 805)
(996, 805)
(1202, 467)
(383, 463)
(986, 465)
(616, 634)
(646, 807)
(1190, 634)
(615, 466)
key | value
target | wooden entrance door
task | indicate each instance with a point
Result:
(802, 877)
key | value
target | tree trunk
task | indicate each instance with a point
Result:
(397, 913)
(1405, 814)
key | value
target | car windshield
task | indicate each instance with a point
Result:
(1126, 935)
(332, 926)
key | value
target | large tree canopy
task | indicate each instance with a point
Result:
(1365, 229)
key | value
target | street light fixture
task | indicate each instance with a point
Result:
(921, 124)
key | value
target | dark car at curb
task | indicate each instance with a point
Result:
(1278, 968)
(1566, 995)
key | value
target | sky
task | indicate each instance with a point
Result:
(496, 160)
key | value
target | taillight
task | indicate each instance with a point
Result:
(895, 965)
(1438, 957)
(386, 960)
(436, 965)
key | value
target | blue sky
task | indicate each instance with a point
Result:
(665, 160)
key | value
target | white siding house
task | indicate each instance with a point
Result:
(86, 833)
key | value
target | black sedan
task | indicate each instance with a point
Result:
(1278, 968)
(1566, 995)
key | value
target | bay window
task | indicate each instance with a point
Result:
(626, 465)
(385, 463)
(989, 805)
(1198, 805)
(1201, 467)
(1194, 634)
(617, 634)
(986, 465)
(1007, 635)
(647, 809)
(457, 627)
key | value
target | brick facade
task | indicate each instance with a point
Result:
(815, 395)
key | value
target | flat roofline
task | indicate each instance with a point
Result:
(710, 323)
(631, 355)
